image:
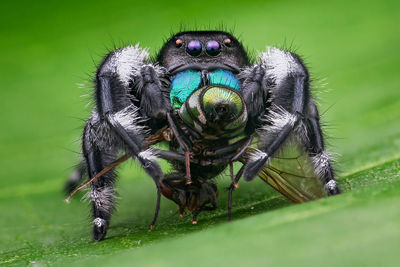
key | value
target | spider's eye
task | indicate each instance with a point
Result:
(178, 43)
(228, 42)
(213, 48)
(194, 48)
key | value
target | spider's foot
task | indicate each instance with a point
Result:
(99, 229)
(332, 188)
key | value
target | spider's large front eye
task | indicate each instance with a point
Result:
(194, 48)
(213, 48)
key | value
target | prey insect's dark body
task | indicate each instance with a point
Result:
(204, 97)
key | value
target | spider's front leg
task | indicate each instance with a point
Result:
(277, 95)
(131, 102)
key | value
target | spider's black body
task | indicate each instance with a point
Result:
(136, 108)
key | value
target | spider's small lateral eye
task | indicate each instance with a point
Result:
(194, 48)
(213, 48)
(228, 42)
(178, 43)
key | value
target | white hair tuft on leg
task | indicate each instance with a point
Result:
(148, 154)
(99, 222)
(130, 119)
(321, 163)
(102, 198)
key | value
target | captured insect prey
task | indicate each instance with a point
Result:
(212, 106)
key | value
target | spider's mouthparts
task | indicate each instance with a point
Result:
(200, 67)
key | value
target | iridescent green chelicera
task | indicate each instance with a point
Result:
(186, 82)
(183, 85)
(225, 78)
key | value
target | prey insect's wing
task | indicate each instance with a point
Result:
(291, 172)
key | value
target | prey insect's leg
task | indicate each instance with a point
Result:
(230, 192)
(195, 214)
(235, 158)
(232, 174)
(242, 149)
(169, 155)
(183, 146)
(235, 180)
(153, 222)
(205, 208)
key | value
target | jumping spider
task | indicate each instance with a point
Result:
(213, 106)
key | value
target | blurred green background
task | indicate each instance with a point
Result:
(49, 51)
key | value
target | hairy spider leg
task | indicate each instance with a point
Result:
(231, 188)
(283, 77)
(121, 123)
(102, 193)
